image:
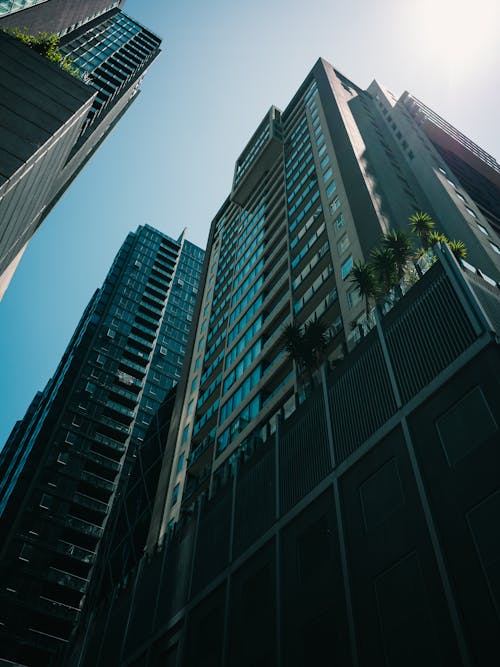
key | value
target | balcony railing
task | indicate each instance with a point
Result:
(109, 442)
(66, 579)
(83, 526)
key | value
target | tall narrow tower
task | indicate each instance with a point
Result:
(64, 462)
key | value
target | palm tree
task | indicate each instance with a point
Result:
(458, 248)
(385, 268)
(292, 343)
(306, 345)
(422, 225)
(399, 244)
(363, 277)
(437, 237)
(315, 341)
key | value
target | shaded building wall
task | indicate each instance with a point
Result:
(43, 111)
(363, 532)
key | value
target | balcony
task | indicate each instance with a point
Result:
(129, 398)
(150, 333)
(129, 380)
(116, 426)
(161, 271)
(90, 503)
(71, 550)
(66, 580)
(109, 442)
(131, 366)
(135, 355)
(97, 481)
(82, 526)
(150, 309)
(56, 609)
(127, 412)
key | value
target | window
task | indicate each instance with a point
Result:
(334, 205)
(185, 434)
(442, 171)
(353, 297)
(495, 248)
(331, 189)
(111, 333)
(343, 244)
(482, 229)
(325, 161)
(194, 384)
(190, 407)
(346, 267)
(327, 175)
(460, 196)
(90, 388)
(339, 222)
(163, 350)
(197, 363)
(471, 212)
(180, 463)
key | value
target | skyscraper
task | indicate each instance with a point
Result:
(351, 519)
(313, 191)
(52, 131)
(64, 461)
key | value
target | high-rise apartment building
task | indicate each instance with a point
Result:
(63, 464)
(53, 121)
(353, 523)
(313, 192)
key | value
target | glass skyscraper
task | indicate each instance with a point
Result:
(64, 462)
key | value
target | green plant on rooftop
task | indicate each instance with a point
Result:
(47, 45)
(422, 225)
(399, 245)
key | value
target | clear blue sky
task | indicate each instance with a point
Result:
(170, 160)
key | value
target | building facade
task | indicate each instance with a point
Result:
(64, 463)
(51, 132)
(313, 192)
(359, 530)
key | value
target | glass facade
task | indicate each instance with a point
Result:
(84, 431)
(11, 6)
(111, 55)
